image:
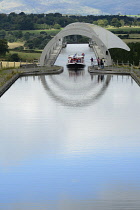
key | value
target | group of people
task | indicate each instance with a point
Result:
(100, 62)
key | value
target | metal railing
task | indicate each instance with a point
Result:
(122, 66)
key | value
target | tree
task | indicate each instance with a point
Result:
(57, 26)
(2, 34)
(18, 34)
(122, 22)
(14, 57)
(115, 22)
(25, 23)
(3, 47)
(100, 22)
(26, 36)
(105, 22)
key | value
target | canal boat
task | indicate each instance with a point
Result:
(76, 61)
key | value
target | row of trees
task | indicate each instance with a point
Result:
(14, 36)
(133, 56)
(24, 21)
(37, 42)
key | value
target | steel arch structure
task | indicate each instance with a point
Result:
(103, 38)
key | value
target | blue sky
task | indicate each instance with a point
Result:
(82, 7)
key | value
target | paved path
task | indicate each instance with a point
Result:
(134, 73)
(54, 55)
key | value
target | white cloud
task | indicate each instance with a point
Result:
(82, 7)
(5, 4)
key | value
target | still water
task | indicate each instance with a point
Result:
(70, 141)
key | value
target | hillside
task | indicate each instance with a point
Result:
(82, 7)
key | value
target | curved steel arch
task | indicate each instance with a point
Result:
(103, 38)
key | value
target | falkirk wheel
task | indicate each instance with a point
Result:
(102, 39)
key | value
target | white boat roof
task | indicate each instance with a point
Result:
(76, 56)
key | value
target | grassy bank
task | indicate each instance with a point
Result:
(6, 75)
(28, 56)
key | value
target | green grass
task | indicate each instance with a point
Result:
(131, 36)
(27, 56)
(126, 29)
(48, 31)
(5, 76)
(15, 44)
(55, 31)
(134, 36)
(133, 16)
(131, 40)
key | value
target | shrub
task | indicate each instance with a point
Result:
(13, 57)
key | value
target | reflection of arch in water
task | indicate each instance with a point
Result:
(67, 85)
(76, 103)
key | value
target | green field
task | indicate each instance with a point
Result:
(15, 44)
(131, 40)
(28, 56)
(126, 29)
(55, 31)
(48, 31)
(136, 36)
(133, 16)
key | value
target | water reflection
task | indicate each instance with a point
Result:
(91, 94)
(73, 88)
(76, 73)
(70, 141)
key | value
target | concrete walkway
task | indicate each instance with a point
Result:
(134, 73)
(54, 55)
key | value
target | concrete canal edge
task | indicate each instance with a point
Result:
(132, 73)
(8, 84)
(59, 70)
(29, 72)
(136, 78)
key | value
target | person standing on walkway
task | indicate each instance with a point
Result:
(102, 63)
(91, 61)
(98, 62)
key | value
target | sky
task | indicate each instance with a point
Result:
(80, 7)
